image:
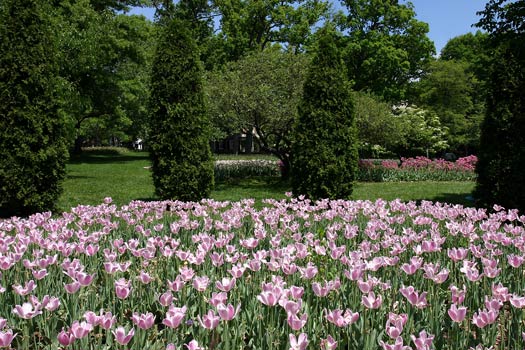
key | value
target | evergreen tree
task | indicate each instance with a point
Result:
(32, 134)
(501, 179)
(179, 128)
(324, 148)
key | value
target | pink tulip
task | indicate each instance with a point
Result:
(144, 277)
(457, 314)
(225, 285)
(6, 338)
(291, 306)
(65, 338)
(72, 288)
(295, 322)
(166, 298)
(398, 345)
(174, 316)
(143, 321)
(26, 311)
(458, 295)
(39, 274)
(193, 345)
(328, 344)
(320, 291)
(106, 320)
(92, 318)
(296, 292)
(484, 318)
(218, 298)
(122, 288)
(28, 288)
(201, 283)
(414, 298)
(424, 341)
(299, 343)
(228, 312)
(84, 279)
(371, 301)
(268, 298)
(177, 284)
(209, 321)
(80, 329)
(517, 301)
(121, 337)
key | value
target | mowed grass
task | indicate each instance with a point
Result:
(124, 176)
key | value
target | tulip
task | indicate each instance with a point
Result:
(26, 311)
(227, 312)
(65, 338)
(210, 320)
(371, 301)
(329, 343)
(122, 288)
(6, 338)
(80, 329)
(299, 343)
(121, 337)
(143, 321)
(424, 342)
(193, 345)
(457, 314)
(295, 322)
(174, 316)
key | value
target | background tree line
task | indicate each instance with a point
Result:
(254, 56)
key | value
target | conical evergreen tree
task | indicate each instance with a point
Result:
(32, 131)
(324, 150)
(179, 126)
(501, 179)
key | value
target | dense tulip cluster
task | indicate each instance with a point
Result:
(292, 275)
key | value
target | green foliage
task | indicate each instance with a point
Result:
(386, 46)
(501, 179)
(448, 90)
(32, 133)
(255, 25)
(258, 93)
(106, 62)
(377, 128)
(324, 148)
(420, 132)
(179, 128)
(244, 168)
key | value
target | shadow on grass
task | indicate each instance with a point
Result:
(464, 199)
(103, 157)
(266, 182)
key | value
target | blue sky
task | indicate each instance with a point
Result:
(446, 18)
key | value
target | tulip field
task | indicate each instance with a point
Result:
(294, 274)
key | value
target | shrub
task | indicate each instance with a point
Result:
(179, 129)
(501, 179)
(32, 134)
(324, 148)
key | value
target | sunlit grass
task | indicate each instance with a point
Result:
(125, 176)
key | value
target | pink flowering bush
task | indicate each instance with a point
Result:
(295, 274)
(418, 169)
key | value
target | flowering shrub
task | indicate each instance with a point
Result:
(293, 275)
(418, 169)
(231, 169)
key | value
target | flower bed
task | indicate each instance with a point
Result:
(235, 169)
(418, 169)
(293, 275)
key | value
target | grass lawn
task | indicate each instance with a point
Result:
(125, 177)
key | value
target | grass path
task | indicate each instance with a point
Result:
(125, 177)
